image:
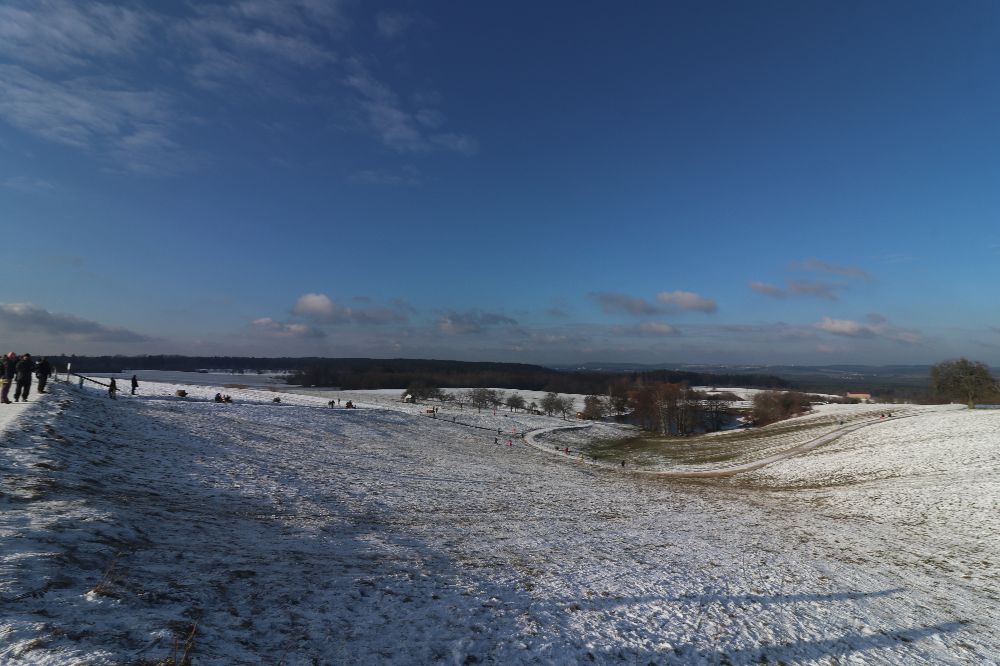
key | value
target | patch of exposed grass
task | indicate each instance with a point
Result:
(653, 449)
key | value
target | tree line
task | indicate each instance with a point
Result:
(358, 374)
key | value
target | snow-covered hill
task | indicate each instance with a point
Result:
(260, 532)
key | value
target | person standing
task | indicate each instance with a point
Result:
(135, 383)
(22, 375)
(112, 389)
(42, 371)
(7, 369)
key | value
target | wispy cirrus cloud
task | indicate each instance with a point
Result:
(101, 115)
(825, 290)
(472, 322)
(815, 288)
(768, 289)
(398, 128)
(249, 41)
(407, 174)
(813, 265)
(27, 184)
(390, 25)
(60, 35)
(121, 82)
(26, 317)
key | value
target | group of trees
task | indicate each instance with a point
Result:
(675, 408)
(669, 407)
(486, 398)
(772, 406)
(393, 373)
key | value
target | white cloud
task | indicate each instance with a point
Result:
(876, 326)
(318, 307)
(686, 300)
(844, 327)
(656, 328)
(285, 330)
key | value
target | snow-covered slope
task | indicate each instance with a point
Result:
(261, 532)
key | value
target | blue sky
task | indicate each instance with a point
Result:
(702, 182)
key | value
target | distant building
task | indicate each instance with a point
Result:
(863, 397)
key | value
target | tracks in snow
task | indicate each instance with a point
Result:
(531, 439)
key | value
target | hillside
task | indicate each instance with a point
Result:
(133, 531)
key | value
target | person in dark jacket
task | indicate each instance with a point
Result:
(42, 371)
(135, 383)
(7, 369)
(112, 389)
(22, 375)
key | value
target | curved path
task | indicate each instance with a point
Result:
(531, 438)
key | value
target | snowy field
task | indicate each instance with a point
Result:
(147, 529)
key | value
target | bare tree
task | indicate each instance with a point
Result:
(593, 407)
(549, 403)
(963, 379)
(618, 396)
(515, 402)
(565, 406)
(717, 410)
(480, 398)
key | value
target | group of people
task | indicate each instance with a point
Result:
(335, 403)
(18, 370)
(113, 386)
(223, 398)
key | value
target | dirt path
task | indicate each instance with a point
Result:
(531, 439)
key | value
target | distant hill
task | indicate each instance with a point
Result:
(901, 381)
(373, 373)
(883, 380)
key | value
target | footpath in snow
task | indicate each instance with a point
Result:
(138, 530)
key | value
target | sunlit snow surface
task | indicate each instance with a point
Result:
(292, 532)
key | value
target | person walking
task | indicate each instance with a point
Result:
(112, 389)
(135, 383)
(7, 369)
(42, 371)
(22, 375)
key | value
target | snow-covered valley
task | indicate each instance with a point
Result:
(154, 528)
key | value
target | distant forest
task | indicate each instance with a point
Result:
(371, 373)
